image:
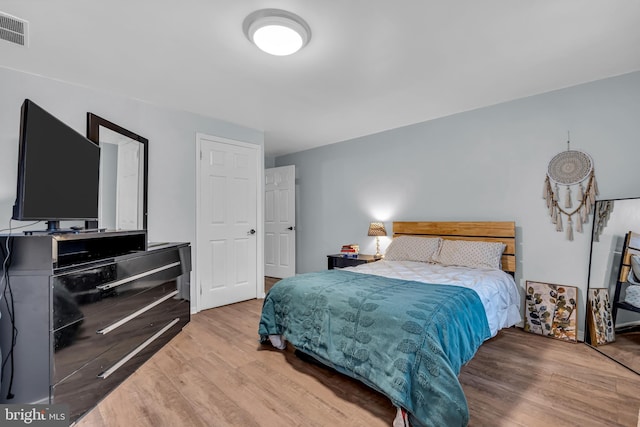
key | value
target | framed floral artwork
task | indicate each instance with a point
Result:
(599, 319)
(551, 310)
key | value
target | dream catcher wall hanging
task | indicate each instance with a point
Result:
(570, 173)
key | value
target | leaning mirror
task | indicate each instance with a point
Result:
(122, 199)
(613, 296)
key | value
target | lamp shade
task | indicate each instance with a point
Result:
(377, 229)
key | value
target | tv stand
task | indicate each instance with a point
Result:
(53, 227)
(90, 308)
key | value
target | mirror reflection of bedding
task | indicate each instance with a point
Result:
(404, 325)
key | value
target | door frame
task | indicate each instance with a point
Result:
(259, 214)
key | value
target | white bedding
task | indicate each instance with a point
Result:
(497, 290)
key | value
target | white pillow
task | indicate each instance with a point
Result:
(412, 248)
(470, 253)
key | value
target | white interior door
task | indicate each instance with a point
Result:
(228, 232)
(128, 184)
(280, 222)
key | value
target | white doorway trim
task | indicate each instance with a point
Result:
(259, 220)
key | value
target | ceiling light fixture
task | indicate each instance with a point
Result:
(276, 31)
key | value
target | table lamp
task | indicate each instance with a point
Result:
(377, 229)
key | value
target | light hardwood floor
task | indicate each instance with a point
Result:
(269, 282)
(215, 373)
(626, 349)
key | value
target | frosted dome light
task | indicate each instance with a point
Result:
(276, 31)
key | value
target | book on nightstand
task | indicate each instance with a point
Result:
(350, 251)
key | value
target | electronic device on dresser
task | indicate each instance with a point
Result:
(88, 309)
(58, 171)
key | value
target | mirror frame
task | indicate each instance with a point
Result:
(586, 339)
(93, 133)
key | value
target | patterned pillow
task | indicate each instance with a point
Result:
(474, 254)
(632, 295)
(412, 248)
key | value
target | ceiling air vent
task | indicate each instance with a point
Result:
(13, 30)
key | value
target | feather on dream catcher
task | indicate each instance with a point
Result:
(570, 172)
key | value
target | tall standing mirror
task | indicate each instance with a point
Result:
(122, 201)
(613, 296)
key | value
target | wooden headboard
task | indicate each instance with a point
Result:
(503, 231)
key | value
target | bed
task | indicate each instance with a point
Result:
(405, 325)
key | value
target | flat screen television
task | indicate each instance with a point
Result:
(58, 170)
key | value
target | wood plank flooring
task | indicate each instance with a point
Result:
(269, 282)
(215, 373)
(626, 349)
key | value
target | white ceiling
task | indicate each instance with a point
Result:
(371, 65)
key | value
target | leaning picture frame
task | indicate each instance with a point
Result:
(599, 317)
(551, 310)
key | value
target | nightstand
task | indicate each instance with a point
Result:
(339, 261)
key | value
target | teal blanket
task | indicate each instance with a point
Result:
(405, 339)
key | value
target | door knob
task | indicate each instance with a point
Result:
(291, 228)
(252, 231)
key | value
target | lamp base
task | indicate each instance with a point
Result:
(378, 255)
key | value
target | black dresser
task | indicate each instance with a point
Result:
(340, 261)
(88, 309)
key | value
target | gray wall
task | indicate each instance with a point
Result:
(172, 145)
(486, 164)
(269, 161)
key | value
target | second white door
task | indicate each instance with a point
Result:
(279, 222)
